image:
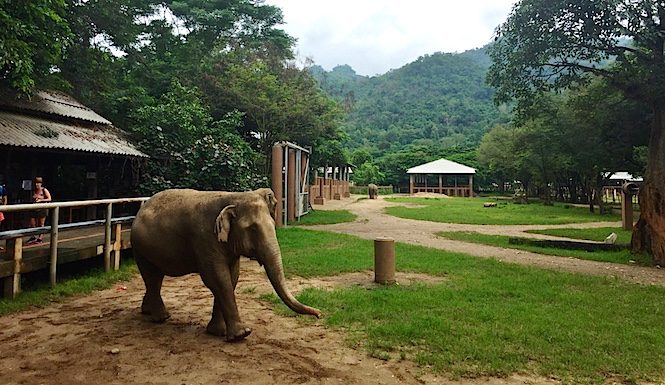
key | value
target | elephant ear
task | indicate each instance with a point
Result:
(223, 223)
(272, 204)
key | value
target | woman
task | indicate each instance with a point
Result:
(38, 218)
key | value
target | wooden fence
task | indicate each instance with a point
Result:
(13, 263)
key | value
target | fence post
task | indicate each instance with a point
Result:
(55, 219)
(117, 245)
(107, 238)
(12, 284)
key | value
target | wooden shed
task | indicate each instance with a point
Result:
(79, 153)
(442, 176)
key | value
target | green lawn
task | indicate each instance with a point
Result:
(325, 217)
(487, 318)
(471, 211)
(621, 256)
(38, 292)
(593, 234)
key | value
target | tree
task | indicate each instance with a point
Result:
(554, 44)
(190, 150)
(33, 37)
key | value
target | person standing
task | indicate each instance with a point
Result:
(38, 217)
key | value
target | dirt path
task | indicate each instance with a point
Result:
(372, 223)
(102, 338)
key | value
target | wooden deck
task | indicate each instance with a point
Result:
(73, 245)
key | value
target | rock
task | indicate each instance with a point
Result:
(611, 239)
(348, 360)
(115, 351)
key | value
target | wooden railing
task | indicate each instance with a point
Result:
(14, 238)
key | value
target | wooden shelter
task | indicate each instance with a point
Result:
(79, 154)
(442, 177)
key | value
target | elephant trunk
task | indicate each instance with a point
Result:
(275, 272)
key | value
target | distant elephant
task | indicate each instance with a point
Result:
(178, 232)
(373, 190)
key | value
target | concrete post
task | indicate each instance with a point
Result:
(384, 261)
(277, 180)
(411, 184)
(627, 191)
(291, 183)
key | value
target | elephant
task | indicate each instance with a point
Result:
(373, 190)
(182, 231)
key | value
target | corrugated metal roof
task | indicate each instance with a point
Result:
(55, 103)
(442, 166)
(623, 175)
(26, 131)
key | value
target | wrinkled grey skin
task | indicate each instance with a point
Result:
(373, 190)
(178, 232)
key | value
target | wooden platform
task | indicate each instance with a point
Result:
(73, 245)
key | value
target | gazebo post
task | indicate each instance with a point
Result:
(470, 186)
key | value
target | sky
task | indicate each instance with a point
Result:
(375, 36)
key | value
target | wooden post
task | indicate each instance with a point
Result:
(411, 184)
(12, 284)
(107, 238)
(55, 219)
(277, 179)
(117, 246)
(440, 185)
(470, 186)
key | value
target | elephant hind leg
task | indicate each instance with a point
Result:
(152, 304)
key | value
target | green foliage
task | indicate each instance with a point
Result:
(438, 100)
(189, 149)
(33, 37)
(367, 173)
(471, 211)
(486, 318)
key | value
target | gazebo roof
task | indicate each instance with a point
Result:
(442, 166)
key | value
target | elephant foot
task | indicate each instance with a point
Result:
(158, 316)
(216, 329)
(239, 334)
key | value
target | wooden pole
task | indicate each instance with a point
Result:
(117, 245)
(470, 186)
(12, 284)
(55, 219)
(107, 238)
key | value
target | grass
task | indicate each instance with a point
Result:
(325, 217)
(37, 291)
(593, 234)
(622, 256)
(471, 211)
(487, 318)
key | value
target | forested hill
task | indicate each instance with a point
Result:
(439, 99)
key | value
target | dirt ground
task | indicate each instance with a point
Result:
(103, 339)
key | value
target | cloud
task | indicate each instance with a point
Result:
(374, 36)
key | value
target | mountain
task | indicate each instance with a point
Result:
(437, 100)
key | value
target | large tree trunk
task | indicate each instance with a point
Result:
(649, 232)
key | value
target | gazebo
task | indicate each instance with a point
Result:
(442, 177)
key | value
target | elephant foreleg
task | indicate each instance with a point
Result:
(222, 285)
